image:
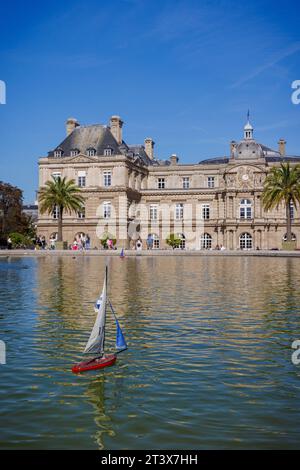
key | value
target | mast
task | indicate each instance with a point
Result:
(106, 276)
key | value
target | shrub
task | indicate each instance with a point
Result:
(173, 241)
(20, 241)
(104, 239)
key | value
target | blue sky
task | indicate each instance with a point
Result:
(181, 72)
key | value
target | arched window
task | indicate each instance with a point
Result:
(245, 209)
(58, 153)
(91, 152)
(155, 240)
(245, 241)
(74, 152)
(182, 240)
(108, 151)
(294, 238)
(206, 241)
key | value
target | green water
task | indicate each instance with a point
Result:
(208, 365)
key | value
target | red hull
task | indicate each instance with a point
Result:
(94, 364)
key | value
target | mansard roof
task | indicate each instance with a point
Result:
(138, 152)
(99, 137)
(85, 137)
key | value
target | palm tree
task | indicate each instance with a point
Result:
(282, 184)
(63, 195)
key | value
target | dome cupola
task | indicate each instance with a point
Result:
(248, 129)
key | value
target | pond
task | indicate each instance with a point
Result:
(208, 365)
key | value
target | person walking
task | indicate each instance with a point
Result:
(9, 243)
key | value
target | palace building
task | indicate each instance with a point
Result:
(131, 194)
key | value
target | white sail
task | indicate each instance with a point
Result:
(95, 344)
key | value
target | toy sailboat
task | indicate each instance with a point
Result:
(95, 344)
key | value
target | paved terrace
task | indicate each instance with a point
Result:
(38, 253)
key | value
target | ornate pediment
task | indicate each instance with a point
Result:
(81, 158)
(243, 177)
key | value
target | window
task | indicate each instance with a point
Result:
(161, 183)
(179, 212)
(56, 174)
(107, 152)
(245, 209)
(81, 181)
(186, 182)
(74, 152)
(292, 209)
(91, 152)
(205, 212)
(106, 210)
(182, 240)
(245, 241)
(81, 213)
(155, 241)
(153, 212)
(205, 241)
(58, 153)
(55, 212)
(211, 182)
(107, 178)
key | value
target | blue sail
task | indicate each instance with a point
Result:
(120, 340)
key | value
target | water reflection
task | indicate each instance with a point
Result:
(208, 364)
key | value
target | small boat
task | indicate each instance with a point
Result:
(95, 344)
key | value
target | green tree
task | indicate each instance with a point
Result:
(11, 216)
(64, 195)
(173, 241)
(282, 185)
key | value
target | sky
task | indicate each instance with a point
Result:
(182, 72)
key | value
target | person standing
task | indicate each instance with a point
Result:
(149, 242)
(87, 243)
(9, 243)
(52, 243)
(43, 242)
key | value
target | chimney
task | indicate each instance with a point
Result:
(116, 124)
(149, 146)
(232, 148)
(174, 159)
(71, 124)
(281, 145)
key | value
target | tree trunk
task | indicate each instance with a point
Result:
(60, 224)
(288, 222)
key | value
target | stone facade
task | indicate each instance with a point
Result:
(130, 194)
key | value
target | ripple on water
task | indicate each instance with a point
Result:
(208, 364)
